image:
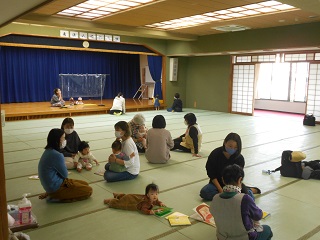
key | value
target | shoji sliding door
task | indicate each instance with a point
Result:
(243, 89)
(313, 99)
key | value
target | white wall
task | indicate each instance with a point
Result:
(282, 106)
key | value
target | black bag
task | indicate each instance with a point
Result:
(309, 120)
(288, 168)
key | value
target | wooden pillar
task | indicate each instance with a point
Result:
(3, 197)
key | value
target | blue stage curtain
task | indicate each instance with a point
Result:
(155, 67)
(31, 74)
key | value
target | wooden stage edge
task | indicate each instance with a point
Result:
(38, 110)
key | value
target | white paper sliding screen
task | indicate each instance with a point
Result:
(243, 89)
(313, 100)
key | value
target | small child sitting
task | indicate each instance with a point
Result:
(142, 133)
(84, 158)
(133, 202)
(116, 151)
(79, 102)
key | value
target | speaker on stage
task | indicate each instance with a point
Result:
(173, 74)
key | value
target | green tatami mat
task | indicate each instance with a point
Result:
(293, 203)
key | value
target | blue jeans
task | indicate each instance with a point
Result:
(209, 190)
(110, 176)
(266, 234)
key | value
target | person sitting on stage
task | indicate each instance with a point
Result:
(119, 105)
(57, 100)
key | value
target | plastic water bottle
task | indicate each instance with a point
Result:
(266, 171)
(24, 210)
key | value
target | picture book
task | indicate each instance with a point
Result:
(162, 211)
(265, 214)
(203, 214)
(179, 220)
(175, 214)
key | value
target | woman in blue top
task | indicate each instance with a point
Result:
(53, 173)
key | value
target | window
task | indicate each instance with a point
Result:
(282, 81)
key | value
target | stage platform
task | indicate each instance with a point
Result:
(37, 110)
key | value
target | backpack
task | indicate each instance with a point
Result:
(290, 164)
(309, 120)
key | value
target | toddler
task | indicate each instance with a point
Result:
(79, 102)
(84, 158)
(116, 151)
(157, 102)
(142, 203)
(142, 133)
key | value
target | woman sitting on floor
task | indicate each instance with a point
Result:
(122, 131)
(229, 153)
(137, 121)
(159, 141)
(53, 173)
(192, 139)
(73, 141)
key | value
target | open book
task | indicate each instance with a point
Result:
(203, 214)
(178, 219)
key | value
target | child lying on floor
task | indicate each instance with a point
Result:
(142, 203)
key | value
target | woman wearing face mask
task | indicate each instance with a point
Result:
(192, 139)
(129, 148)
(73, 141)
(53, 173)
(228, 154)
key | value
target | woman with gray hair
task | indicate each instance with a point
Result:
(137, 121)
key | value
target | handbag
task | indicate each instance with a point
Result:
(309, 120)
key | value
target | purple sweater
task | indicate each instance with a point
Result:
(249, 212)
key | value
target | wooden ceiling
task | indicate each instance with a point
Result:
(133, 21)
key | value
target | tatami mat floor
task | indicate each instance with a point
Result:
(294, 204)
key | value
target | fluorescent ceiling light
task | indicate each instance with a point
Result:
(249, 10)
(100, 8)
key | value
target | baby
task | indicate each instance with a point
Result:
(116, 150)
(142, 133)
(84, 158)
(139, 202)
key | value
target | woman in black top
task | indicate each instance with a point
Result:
(177, 104)
(228, 154)
(192, 139)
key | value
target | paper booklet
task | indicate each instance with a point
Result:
(100, 172)
(203, 214)
(178, 219)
